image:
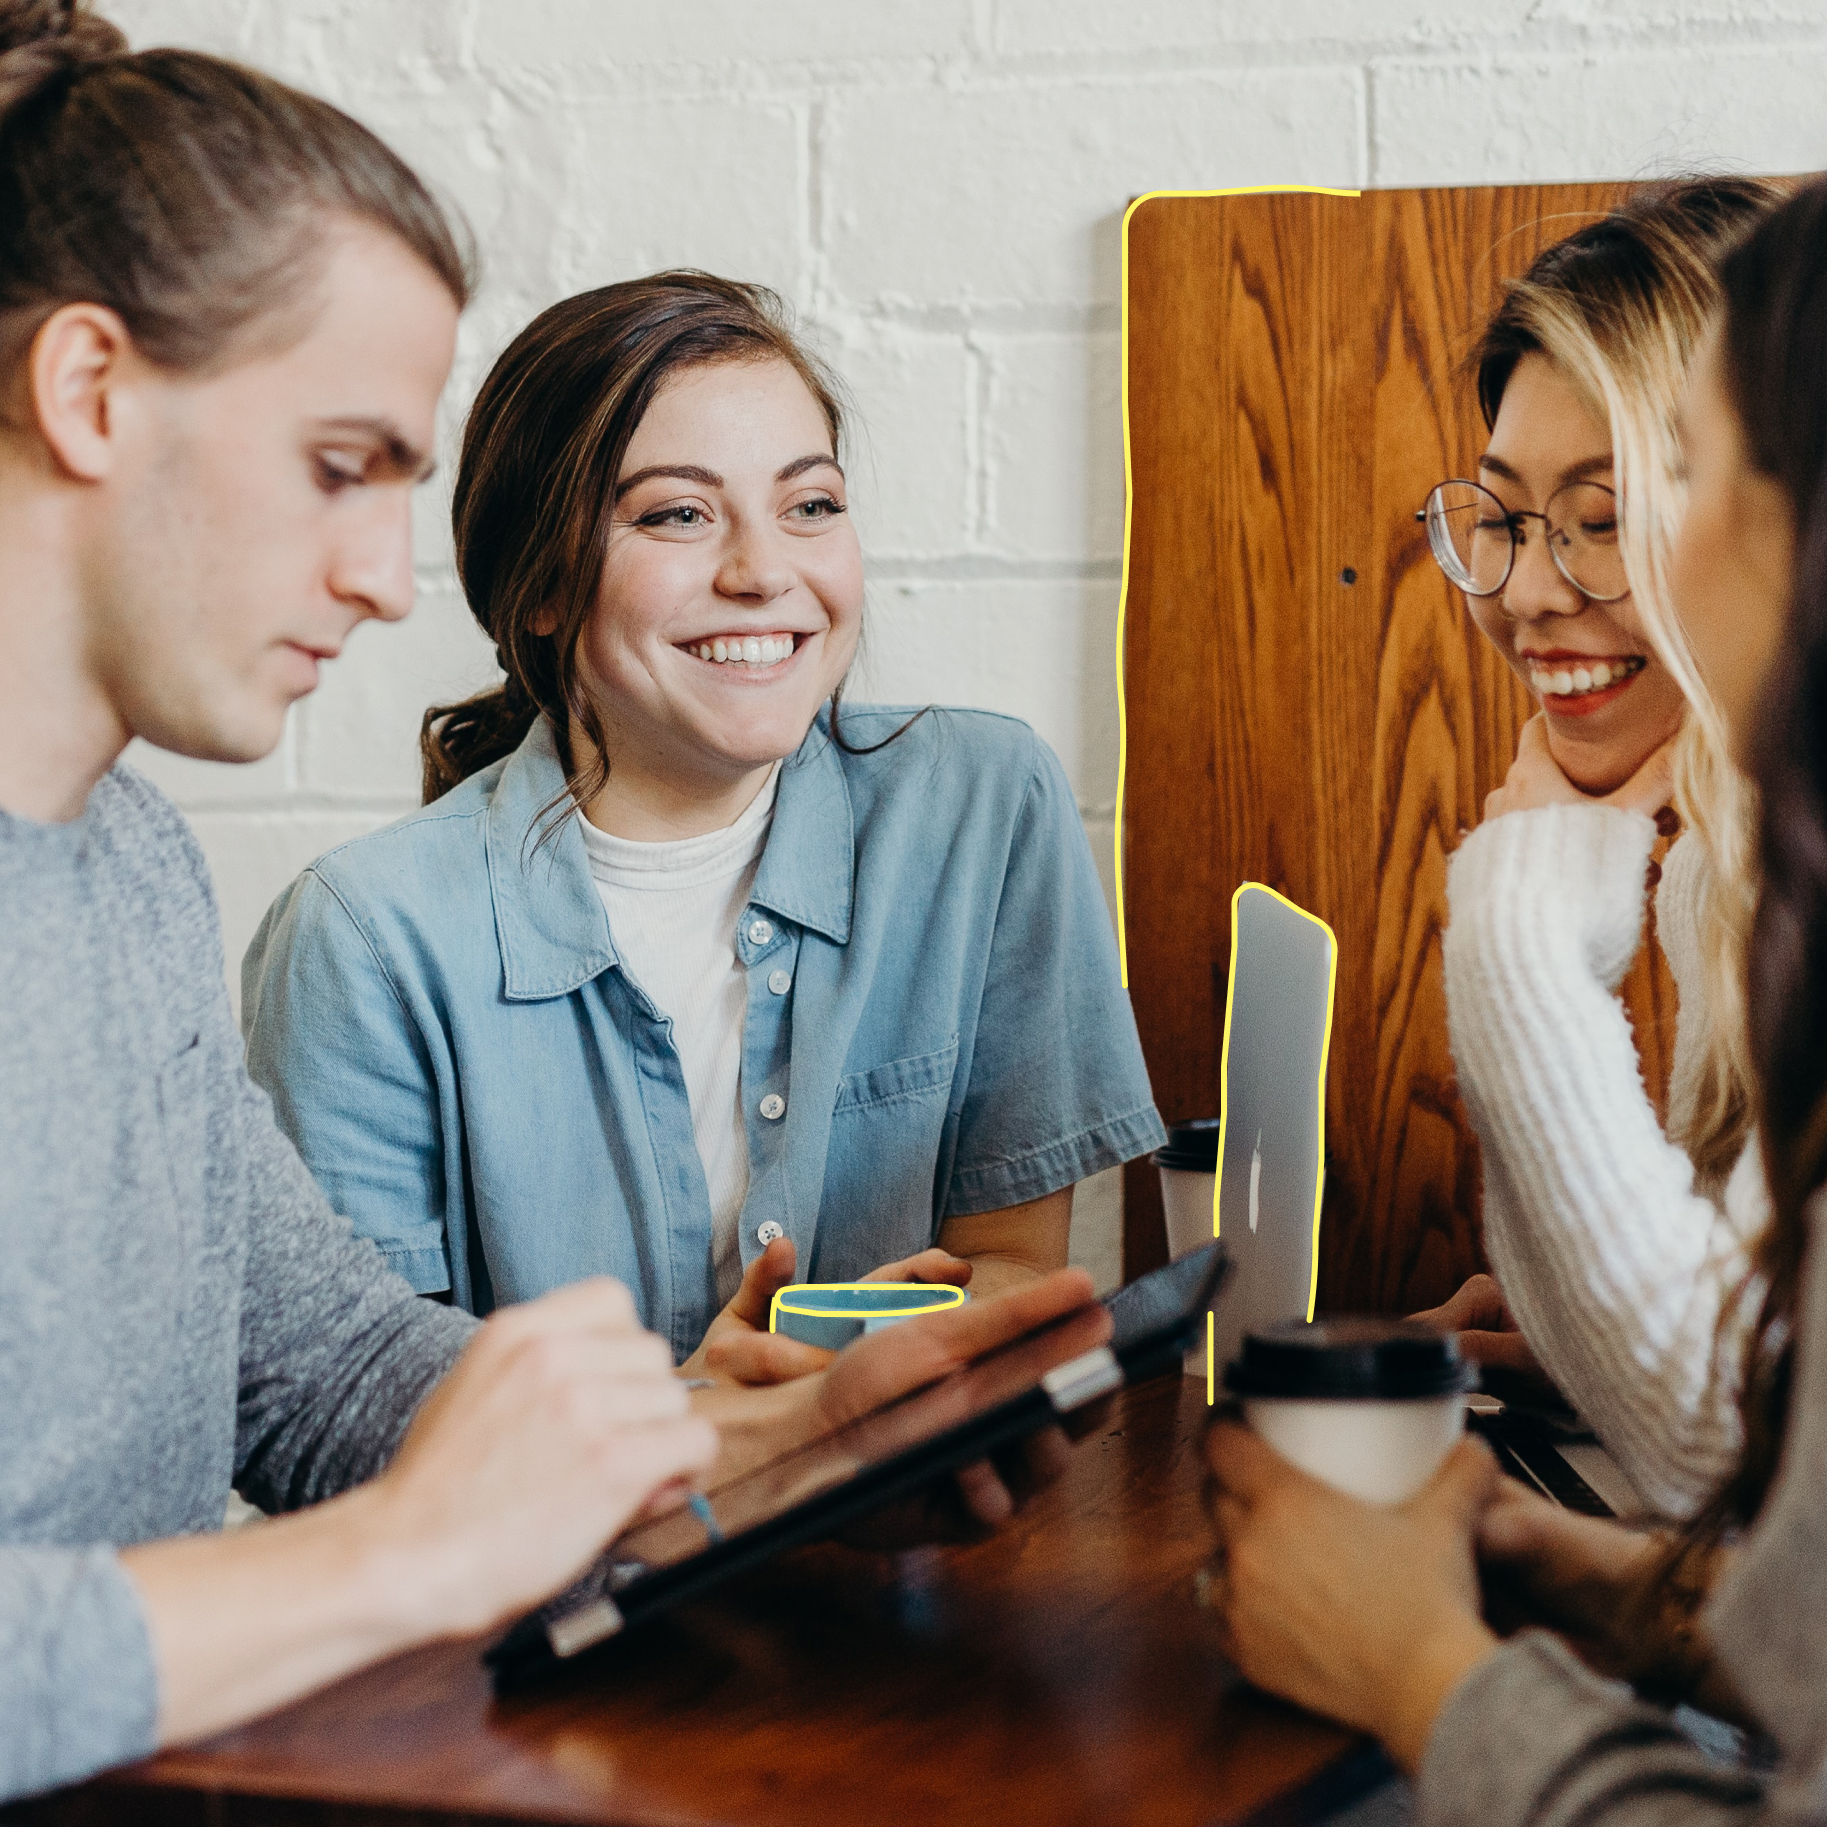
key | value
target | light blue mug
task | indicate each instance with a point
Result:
(832, 1313)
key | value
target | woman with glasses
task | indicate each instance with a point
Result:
(1372, 1614)
(1616, 1244)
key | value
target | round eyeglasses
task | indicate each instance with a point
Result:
(1475, 538)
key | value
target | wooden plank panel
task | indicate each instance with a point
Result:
(1309, 704)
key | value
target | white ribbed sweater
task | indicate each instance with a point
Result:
(1615, 1263)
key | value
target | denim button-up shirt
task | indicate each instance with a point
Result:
(935, 1025)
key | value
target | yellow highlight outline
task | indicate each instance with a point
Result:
(1129, 497)
(1224, 1067)
(954, 1298)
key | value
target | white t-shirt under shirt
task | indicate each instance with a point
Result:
(673, 909)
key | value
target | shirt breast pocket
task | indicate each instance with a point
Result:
(887, 1128)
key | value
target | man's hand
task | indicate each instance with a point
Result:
(1366, 1612)
(739, 1348)
(1536, 779)
(559, 1423)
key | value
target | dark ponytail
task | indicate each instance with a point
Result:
(189, 195)
(44, 41)
(458, 740)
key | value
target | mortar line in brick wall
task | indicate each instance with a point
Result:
(990, 318)
(1485, 61)
(984, 15)
(811, 202)
(978, 70)
(978, 505)
(974, 568)
(1539, 40)
(303, 803)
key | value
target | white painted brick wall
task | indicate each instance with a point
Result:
(937, 185)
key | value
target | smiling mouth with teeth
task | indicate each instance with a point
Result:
(743, 649)
(1561, 679)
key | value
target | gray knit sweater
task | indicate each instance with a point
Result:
(179, 1307)
(1533, 1737)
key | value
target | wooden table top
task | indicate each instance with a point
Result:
(1057, 1674)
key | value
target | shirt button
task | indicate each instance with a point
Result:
(760, 931)
(773, 1106)
(780, 982)
(765, 1234)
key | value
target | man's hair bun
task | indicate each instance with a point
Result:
(186, 194)
(42, 41)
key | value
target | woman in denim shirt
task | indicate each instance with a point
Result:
(686, 973)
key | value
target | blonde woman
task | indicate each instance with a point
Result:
(1618, 1245)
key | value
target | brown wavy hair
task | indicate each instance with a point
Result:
(1773, 350)
(187, 194)
(535, 492)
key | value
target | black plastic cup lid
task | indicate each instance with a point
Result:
(1336, 1360)
(1192, 1147)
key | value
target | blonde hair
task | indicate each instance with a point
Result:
(1621, 307)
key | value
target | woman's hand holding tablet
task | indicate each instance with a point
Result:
(935, 1429)
(759, 1425)
(739, 1348)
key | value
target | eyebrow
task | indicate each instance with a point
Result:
(800, 465)
(1574, 472)
(398, 452)
(693, 472)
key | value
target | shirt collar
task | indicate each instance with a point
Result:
(808, 871)
(549, 918)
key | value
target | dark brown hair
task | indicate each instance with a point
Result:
(187, 194)
(1774, 366)
(536, 488)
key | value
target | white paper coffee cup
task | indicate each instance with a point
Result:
(1188, 1166)
(1371, 1406)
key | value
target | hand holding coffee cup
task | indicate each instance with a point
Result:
(1364, 1610)
(1371, 1406)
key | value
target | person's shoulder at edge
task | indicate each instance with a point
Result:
(153, 840)
(125, 800)
(379, 881)
(430, 832)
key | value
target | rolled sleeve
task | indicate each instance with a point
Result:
(1057, 1089)
(78, 1690)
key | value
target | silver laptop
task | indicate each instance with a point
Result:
(1271, 1149)
(1271, 1177)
